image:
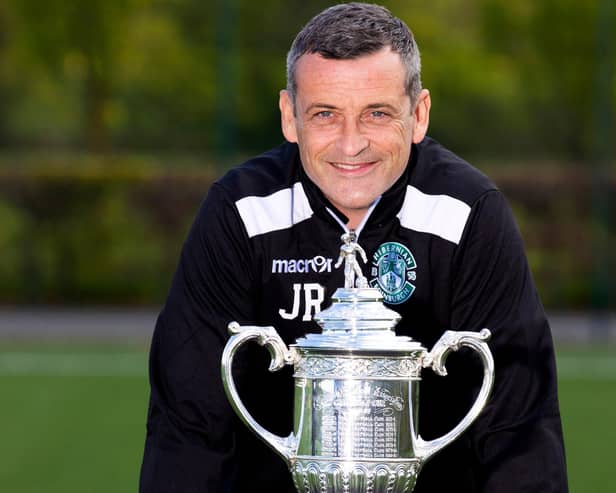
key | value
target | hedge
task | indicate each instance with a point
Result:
(109, 231)
(90, 234)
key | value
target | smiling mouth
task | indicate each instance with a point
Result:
(352, 166)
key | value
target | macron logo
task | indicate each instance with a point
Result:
(317, 264)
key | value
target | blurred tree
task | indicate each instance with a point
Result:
(9, 72)
(3, 73)
(79, 40)
(552, 45)
(505, 77)
(164, 87)
(266, 29)
(509, 81)
(602, 143)
(560, 70)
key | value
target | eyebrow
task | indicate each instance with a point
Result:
(372, 106)
(321, 106)
(376, 106)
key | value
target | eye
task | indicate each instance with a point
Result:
(376, 117)
(324, 117)
(378, 114)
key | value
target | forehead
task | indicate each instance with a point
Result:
(381, 72)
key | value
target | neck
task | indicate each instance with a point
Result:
(357, 217)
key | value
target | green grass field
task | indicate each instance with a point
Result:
(72, 419)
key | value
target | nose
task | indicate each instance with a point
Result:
(352, 140)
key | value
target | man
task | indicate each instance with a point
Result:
(262, 248)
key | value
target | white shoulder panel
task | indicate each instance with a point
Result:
(281, 210)
(440, 215)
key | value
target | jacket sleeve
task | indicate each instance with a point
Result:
(517, 439)
(190, 437)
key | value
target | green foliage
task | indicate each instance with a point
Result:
(506, 77)
(79, 234)
(15, 225)
(508, 80)
(567, 242)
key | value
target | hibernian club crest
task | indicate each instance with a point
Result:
(393, 267)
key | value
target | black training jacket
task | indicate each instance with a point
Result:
(262, 251)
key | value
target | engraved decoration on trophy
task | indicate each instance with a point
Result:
(356, 391)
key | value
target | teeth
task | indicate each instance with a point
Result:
(347, 166)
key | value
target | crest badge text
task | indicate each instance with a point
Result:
(393, 269)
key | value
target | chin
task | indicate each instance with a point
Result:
(358, 206)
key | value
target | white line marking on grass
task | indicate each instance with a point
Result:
(74, 364)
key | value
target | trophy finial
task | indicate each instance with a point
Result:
(348, 254)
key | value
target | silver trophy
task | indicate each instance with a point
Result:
(356, 392)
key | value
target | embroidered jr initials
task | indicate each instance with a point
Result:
(314, 294)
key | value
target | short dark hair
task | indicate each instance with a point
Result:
(351, 30)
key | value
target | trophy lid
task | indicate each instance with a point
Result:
(357, 309)
(357, 320)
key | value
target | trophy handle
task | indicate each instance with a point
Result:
(281, 356)
(452, 340)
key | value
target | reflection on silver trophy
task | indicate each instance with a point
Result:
(356, 391)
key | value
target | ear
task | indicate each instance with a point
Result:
(421, 116)
(287, 116)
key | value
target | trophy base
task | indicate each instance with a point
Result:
(335, 475)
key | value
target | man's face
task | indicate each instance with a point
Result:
(354, 125)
